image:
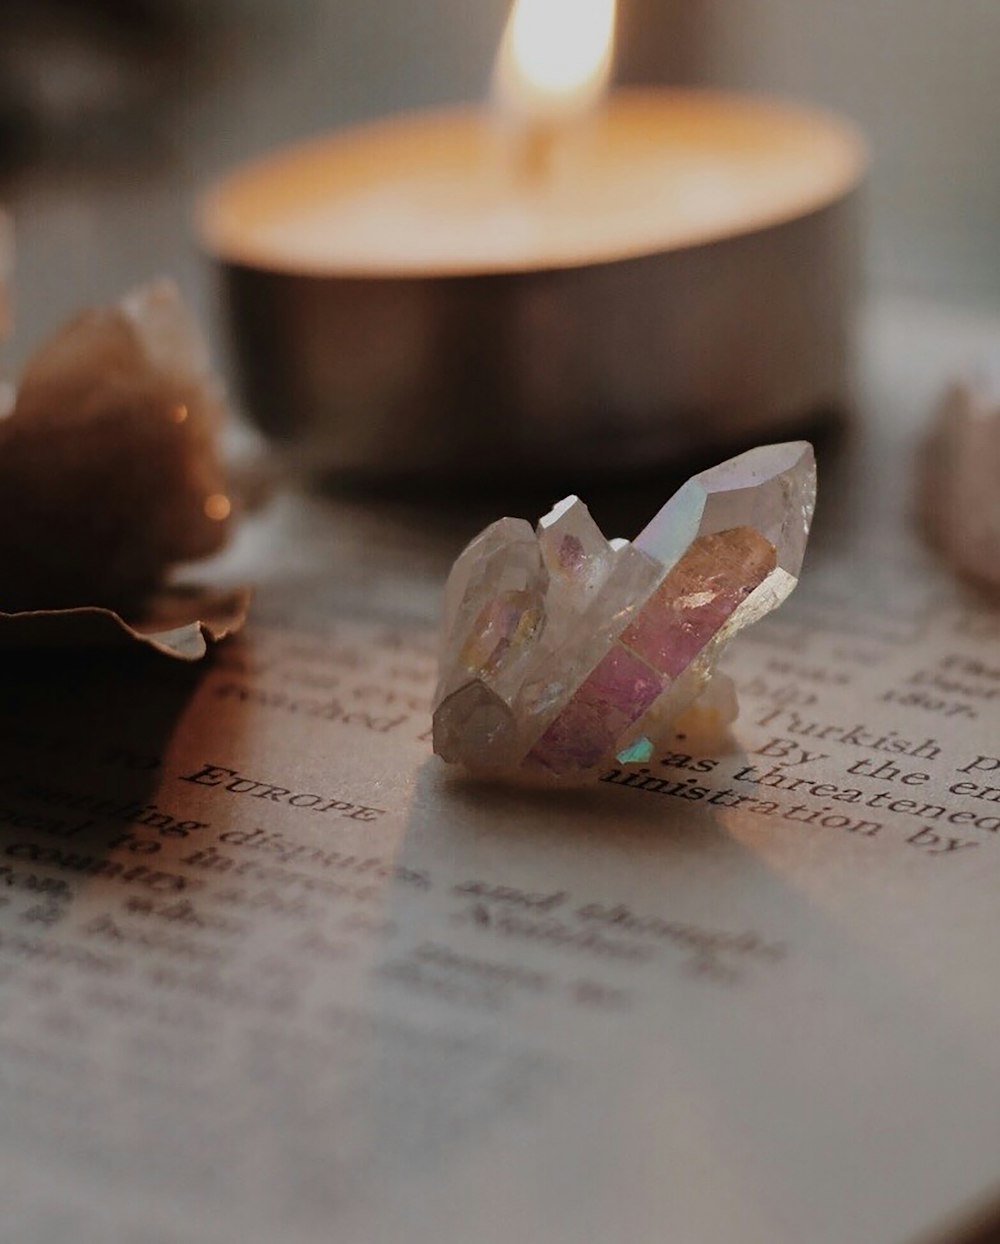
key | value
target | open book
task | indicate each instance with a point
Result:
(269, 971)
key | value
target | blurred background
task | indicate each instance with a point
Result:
(113, 113)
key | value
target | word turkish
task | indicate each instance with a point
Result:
(850, 736)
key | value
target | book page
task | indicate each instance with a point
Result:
(269, 970)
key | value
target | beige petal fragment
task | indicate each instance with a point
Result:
(178, 622)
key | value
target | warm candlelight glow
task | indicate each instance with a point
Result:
(555, 59)
(218, 507)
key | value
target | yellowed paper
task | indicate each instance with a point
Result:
(270, 971)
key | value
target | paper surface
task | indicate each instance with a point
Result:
(269, 971)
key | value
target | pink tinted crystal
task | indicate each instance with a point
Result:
(612, 698)
(563, 650)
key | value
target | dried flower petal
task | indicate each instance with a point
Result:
(109, 468)
(177, 622)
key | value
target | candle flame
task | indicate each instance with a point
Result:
(555, 59)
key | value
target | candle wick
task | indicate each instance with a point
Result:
(534, 151)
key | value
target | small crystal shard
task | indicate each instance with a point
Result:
(563, 651)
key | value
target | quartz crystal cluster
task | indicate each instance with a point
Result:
(562, 651)
(961, 474)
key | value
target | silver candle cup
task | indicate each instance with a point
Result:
(594, 367)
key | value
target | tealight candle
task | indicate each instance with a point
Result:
(583, 283)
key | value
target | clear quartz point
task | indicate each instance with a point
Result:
(494, 614)
(563, 652)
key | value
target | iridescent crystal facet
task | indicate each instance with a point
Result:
(562, 651)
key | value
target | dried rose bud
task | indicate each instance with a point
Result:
(109, 466)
